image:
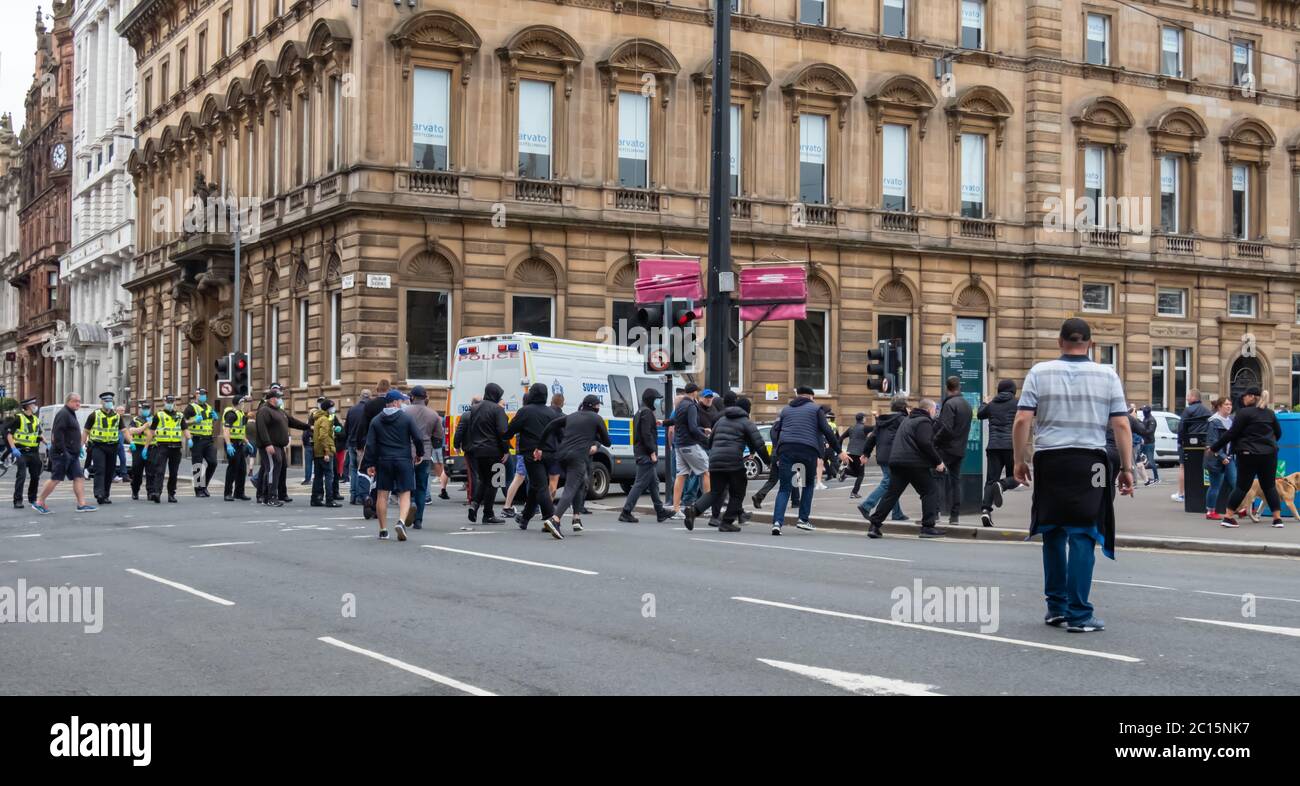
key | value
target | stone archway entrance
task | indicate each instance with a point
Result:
(1247, 372)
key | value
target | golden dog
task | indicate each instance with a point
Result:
(1286, 489)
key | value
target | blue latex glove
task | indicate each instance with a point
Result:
(189, 443)
(83, 454)
(230, 450)
(144, 454)
(16, 452)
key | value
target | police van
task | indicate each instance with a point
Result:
(574, 369)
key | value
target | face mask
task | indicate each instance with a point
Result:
(281, 404)
(108, 406)
(169, 406)
(203, 399)
(146, 412)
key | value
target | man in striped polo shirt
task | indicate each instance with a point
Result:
(1069, 403)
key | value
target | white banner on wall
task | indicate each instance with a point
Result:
(535, 117)
(432, 103)
(894, 162)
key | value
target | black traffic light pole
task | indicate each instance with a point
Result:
(668, 398)
(718, 312)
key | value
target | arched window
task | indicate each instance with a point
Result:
(534, 285)
(540, 65)
(817, 97)
(638, 76)
(1101, 126)
(1176, 135)
(427, 318)
(436, 52)
(1247, 144)
(895, 305)
(899, 107)
(977, 121)
(749, 81)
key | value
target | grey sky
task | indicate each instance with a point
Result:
(18, 53)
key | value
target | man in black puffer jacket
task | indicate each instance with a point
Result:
(528, 424)
(912, 459)
(881, 439)
(645, 447)
(1001, 414)
(732, 433)
(486, 446)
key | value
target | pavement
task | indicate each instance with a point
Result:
(1148, 519)
(210, 597)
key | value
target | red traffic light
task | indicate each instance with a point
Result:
(241, 364)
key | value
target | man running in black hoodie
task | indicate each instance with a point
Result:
(528, 424)
(1001, 415)
(582, 431)
(645, 446)
(486, 446)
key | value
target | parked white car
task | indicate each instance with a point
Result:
(1166, 437)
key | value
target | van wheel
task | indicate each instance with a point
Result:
(752, 468)
(599, 487)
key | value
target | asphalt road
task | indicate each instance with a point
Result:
(621, 609)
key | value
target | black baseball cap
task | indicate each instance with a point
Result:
(803, 390)
(1075, 331)
(691, 387)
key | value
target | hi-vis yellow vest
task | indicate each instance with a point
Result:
(139, 437)
(105, 428)
(237, 429)
(204, 427)
(169, 428)
(29, 431)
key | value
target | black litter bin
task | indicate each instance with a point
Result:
(1194, 486)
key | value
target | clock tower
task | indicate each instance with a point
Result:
(45, 215)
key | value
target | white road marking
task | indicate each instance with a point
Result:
(512, 559)
(364, 536)
(29, 535)
(863, 684)
(1126, 584)
(50, 559)
(181, 587)
(949, 631)
(151, 526)
(262, 521)
(793, 548)
(1241, 594)
(473, 532)
(1249, 626)
(229, 543)
(428, 675)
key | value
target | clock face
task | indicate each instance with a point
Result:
(59, 156)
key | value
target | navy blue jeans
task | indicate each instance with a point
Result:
(877, 494)
(1222, 481)
(421, 489)
(1068, 559)
(786, 471)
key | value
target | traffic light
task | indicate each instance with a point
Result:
(239, 366)
(667, 340)
(877, 377)
(223, 376)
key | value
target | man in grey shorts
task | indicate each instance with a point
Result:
(689, 439)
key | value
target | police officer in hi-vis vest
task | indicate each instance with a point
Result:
(138, 429)
(162, 448)
(100, 436)
(238, 448)
(202, 420)
(23, 432)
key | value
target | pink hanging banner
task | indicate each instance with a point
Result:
(773, 293)
(661, 277)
